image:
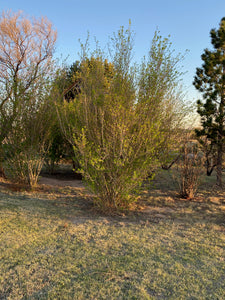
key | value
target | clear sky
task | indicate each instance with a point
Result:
(187, 21)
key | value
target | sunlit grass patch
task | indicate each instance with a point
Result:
(61, 248)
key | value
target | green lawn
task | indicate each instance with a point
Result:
(54, 245)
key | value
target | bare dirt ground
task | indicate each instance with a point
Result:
(61, 182)
(63, 177)
(158, 199)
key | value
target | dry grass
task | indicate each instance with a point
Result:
(55, 245)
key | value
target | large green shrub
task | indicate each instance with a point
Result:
(123, 119)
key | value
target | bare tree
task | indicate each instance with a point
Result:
(26, 48)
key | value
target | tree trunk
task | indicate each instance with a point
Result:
(2, 172)
(210, 170)
(219, 164)
(209, 166)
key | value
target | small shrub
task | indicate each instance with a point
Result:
(28, 142)
(24, 167)
(189, 170)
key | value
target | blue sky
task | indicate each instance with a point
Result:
(188, 22)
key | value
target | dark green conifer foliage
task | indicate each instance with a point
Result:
(210, 81)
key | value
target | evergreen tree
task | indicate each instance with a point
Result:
(210, 81)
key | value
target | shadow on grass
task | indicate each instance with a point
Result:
(159, 202)
(53, 204)
(55, 244)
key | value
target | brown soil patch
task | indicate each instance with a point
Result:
(60, 182)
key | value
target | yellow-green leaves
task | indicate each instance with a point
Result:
(117, 122)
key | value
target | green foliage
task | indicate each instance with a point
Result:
(121, 119)
(210, 81)
(56, 149)
(64, 85)
(29, 137)
(159, 94)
